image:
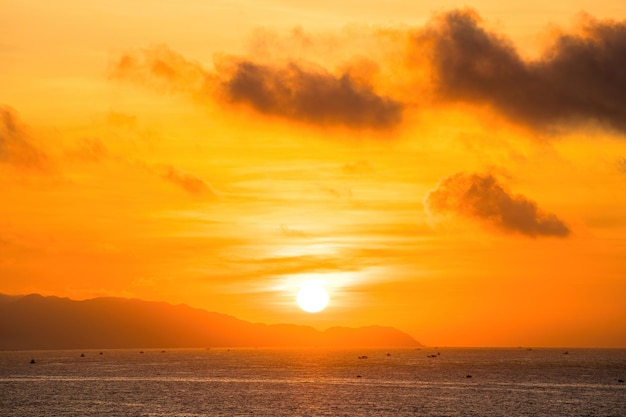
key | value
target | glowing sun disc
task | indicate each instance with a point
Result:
(312, 297)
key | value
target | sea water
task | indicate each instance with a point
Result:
(314, 382)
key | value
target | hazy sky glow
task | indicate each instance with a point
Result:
(459, 174)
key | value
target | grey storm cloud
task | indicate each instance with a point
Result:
(16, 147)
(483, 198)
(581, 77)
(290, 91)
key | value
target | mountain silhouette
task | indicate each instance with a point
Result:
(37, 322)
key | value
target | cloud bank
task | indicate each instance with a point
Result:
(483, 198)
(580, 78)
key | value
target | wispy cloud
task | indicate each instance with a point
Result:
(483, 198)
(188, 182)
(120, 119)
(292, 232)
(17, 147)
(89, 150)
(357, 168)
(162, 69)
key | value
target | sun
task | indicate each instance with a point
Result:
(312, 296)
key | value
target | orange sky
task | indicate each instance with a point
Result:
(458, 174)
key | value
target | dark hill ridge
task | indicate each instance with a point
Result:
(37, 322)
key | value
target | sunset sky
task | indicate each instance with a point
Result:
(457, 173)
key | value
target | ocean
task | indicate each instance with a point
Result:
(314, 382)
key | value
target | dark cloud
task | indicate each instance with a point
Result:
(313, 96)
(187, 182)
(293, 92)
(483, 198)
(581, 77)
(16, 147)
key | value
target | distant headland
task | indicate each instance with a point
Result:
(35, 322)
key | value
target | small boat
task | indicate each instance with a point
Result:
(33, 360)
